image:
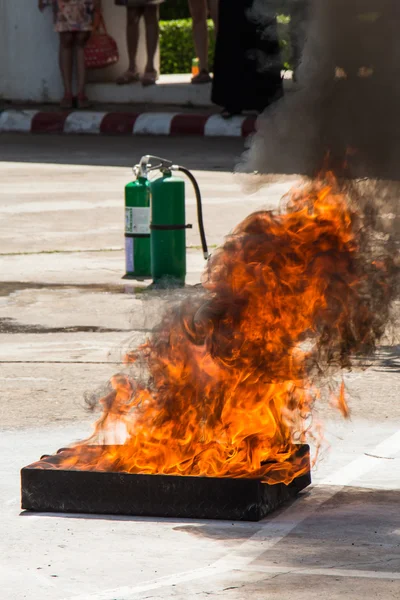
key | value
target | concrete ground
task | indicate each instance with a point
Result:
(66, 318)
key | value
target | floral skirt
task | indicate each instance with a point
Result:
(73, 15)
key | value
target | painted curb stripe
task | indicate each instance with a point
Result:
(93, 122)
(84, 122)
(17, 120)
(153, 124)
(188, 124)
(49, 122)
(216, 126)
(118, 123)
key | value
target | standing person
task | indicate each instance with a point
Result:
(199, 10)
(149, 10)
(247, 67)
(73, 20)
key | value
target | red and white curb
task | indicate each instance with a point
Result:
(152, 123)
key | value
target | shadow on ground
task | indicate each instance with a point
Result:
(354, 528)
(386, 359)
(390, 358)
(195, 153)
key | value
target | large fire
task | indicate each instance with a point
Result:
(233, 374)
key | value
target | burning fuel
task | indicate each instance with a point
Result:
(233, 374)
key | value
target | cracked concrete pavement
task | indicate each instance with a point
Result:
(66, 319)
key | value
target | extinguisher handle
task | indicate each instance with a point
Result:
(151, 163)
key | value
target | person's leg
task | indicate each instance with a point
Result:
(66, 57)
(198, 11)
(81, 38)
(132, 35)
(133, 15)
(151, 16)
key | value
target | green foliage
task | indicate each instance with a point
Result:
(176, 46)
(177, 49)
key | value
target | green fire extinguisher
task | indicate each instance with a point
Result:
(167, 224)
(137, 228)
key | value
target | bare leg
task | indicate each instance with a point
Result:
(66, 58)
(132, 39)
(81, 41)
(198, 10)
(152, 35)
(132, 35)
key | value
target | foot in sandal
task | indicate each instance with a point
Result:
(202, 77)
(149, 78)
(228, 113)
(128, 77)
(83, 101)
(67, 101)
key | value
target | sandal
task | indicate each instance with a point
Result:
(67, 101)
(128, 77)
(149, 78)
(226, 113)
(82, 101)
(202, 77)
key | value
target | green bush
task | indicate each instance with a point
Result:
(176, 46)
(177, 49)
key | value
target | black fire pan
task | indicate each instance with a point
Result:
(48, 488)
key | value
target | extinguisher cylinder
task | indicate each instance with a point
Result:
(137, 228)
(168, 228)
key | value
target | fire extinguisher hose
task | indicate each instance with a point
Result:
(199, 208)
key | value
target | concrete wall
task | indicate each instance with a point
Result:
(28, 62)
(29, 51)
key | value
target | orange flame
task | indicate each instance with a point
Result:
(233, 374)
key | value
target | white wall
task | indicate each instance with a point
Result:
(29, 51)
(28, 61)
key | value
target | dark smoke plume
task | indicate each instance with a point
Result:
(344, 115)
(347, 96)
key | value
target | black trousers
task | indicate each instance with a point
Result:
(247, 67)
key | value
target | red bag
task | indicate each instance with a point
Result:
(101, 50)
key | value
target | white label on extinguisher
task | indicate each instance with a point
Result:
(137, 220)
(129, 255)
